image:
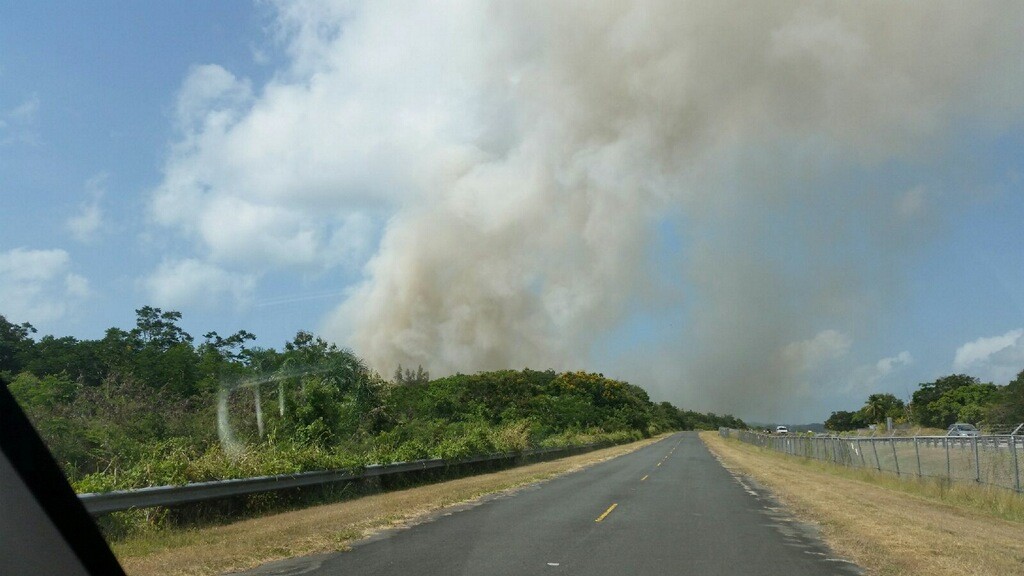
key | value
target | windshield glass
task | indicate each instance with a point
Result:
(246, 239)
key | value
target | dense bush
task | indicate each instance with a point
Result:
(148, 407)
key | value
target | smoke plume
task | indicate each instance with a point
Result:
(551, 171)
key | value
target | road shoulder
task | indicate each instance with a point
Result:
(883, 530)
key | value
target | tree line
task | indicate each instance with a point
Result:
(941, 403)
(151, 405)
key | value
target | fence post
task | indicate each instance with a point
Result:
(917, 452)
(860, 450)
(949, 468)
(1016, 467)
(977, 461)
(878, 463)
(895, 459)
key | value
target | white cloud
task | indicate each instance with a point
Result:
(37, 285)
(271, 184)
(18, 124)
(85, 225)
(885, 366)
(235, 230)
(998, 358)
(76, 287)
(826, 346)
(194, 283)
(26, 111)
(866, 378)
(349, 244)
(209, 92)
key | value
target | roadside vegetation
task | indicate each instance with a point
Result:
(148, 406)
(888, 525)
(328, 527)
(936, 405)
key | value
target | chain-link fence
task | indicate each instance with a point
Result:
(991, 460)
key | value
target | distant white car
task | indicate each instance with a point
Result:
(962, 429)
(781, 430)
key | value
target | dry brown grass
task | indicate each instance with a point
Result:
(249, 543)
(884, 527)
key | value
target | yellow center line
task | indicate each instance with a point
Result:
(606, 512)
(645, 477)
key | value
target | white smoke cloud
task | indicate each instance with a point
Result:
(523, 153)
(810, 354)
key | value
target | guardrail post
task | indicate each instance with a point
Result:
(977, 460)
(895, 459)
(917, 452)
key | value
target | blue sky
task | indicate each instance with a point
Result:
(442, 187)
(100, 81)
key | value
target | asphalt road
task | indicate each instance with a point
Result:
(669, 508)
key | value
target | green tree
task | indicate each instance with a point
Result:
(175, 369)
(1008, 407)
(35, 393)
(881, 406)
(79, 359)
(930, 392)
(16, 345)
(963, 404)
(158, 329)
(231, 348)
(842, 421)
(346, 396)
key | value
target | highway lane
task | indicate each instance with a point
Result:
(667, 508)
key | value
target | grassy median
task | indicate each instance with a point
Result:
(249, 543)
(889, 525)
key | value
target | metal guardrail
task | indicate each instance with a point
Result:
(991, 460)
(102, 503)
